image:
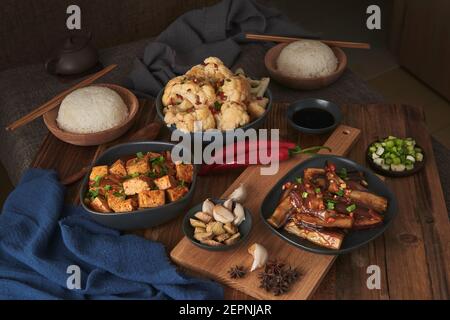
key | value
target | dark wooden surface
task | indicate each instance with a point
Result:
(413, 254)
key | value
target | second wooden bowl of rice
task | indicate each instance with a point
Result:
(93, 115)
(306, 64)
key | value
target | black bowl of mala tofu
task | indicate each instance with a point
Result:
(329, 205)
(137, 185)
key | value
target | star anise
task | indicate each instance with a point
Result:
(277, 277)
(237, 272)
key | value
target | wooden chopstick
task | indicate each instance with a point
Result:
(51, 104)
(333, 43)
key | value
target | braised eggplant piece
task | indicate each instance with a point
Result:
(326, 201)
(324, 238)
(369, 200)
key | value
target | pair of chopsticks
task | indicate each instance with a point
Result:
(53, 103)
(333, 43)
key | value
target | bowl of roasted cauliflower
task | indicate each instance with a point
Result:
(211, 98)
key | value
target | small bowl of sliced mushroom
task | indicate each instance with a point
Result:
(217, 224)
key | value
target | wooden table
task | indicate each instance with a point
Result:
(413, 255)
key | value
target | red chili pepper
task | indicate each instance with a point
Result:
(284, 153)
(240, 147)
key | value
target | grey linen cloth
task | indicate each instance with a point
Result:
(212, 31)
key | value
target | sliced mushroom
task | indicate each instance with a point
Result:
(222, 237)
(208, 206)
(203, 216)
(197, 223)
(203, 236)
(222, 214)
(211, 242)
(233, 239)
(199, 230)
(239, 214)
(259, 254)
(230, 228)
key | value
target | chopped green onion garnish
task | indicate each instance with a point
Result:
(343, 173)
(140, 155)
(107, 187)
(299, 180)
(97, 180)
(330, 205)
(340, 193)
(305, 195)
(217, 105)
(93, 193)
(351, 208)
(317, 190)
(182, 183)
(157, 160)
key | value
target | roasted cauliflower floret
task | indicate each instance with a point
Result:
(212, 69)
(256, 108)
(235, 88)
(206, 118)
(190, 121)
(232, 116)
(197, 95)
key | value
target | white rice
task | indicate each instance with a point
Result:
(91, 109)
(307, 59)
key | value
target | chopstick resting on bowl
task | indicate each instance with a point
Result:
(333, 43)
(53, 103)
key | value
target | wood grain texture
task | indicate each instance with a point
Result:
(313, 267)
(413, 254)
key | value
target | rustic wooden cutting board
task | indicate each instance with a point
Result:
(312, 267)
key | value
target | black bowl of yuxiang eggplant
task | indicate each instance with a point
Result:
(137, 185)
(329, 205)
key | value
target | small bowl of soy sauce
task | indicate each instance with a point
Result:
(314, 116)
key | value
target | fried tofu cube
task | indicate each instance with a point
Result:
(151, 198)
(185, 172)
(120, 204)
(165, 182)
(100, 204)
(136, 185)
(176, 193)
(137, 165)
(118, 168)
(98, 171)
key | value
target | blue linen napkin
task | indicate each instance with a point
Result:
(216, 31)
(40, 238)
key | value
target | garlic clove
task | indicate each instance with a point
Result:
(222, 214)
(239, 194)
(228, 204)
(260, 256)
(239, 214)
(208, 206)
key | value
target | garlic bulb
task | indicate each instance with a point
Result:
(222, 214)
(239, 214)
(208, 206)
(239, 194)
(259, 254)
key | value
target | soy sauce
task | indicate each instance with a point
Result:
(313, 118)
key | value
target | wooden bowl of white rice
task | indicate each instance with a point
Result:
(305, 64)
(93, 115)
